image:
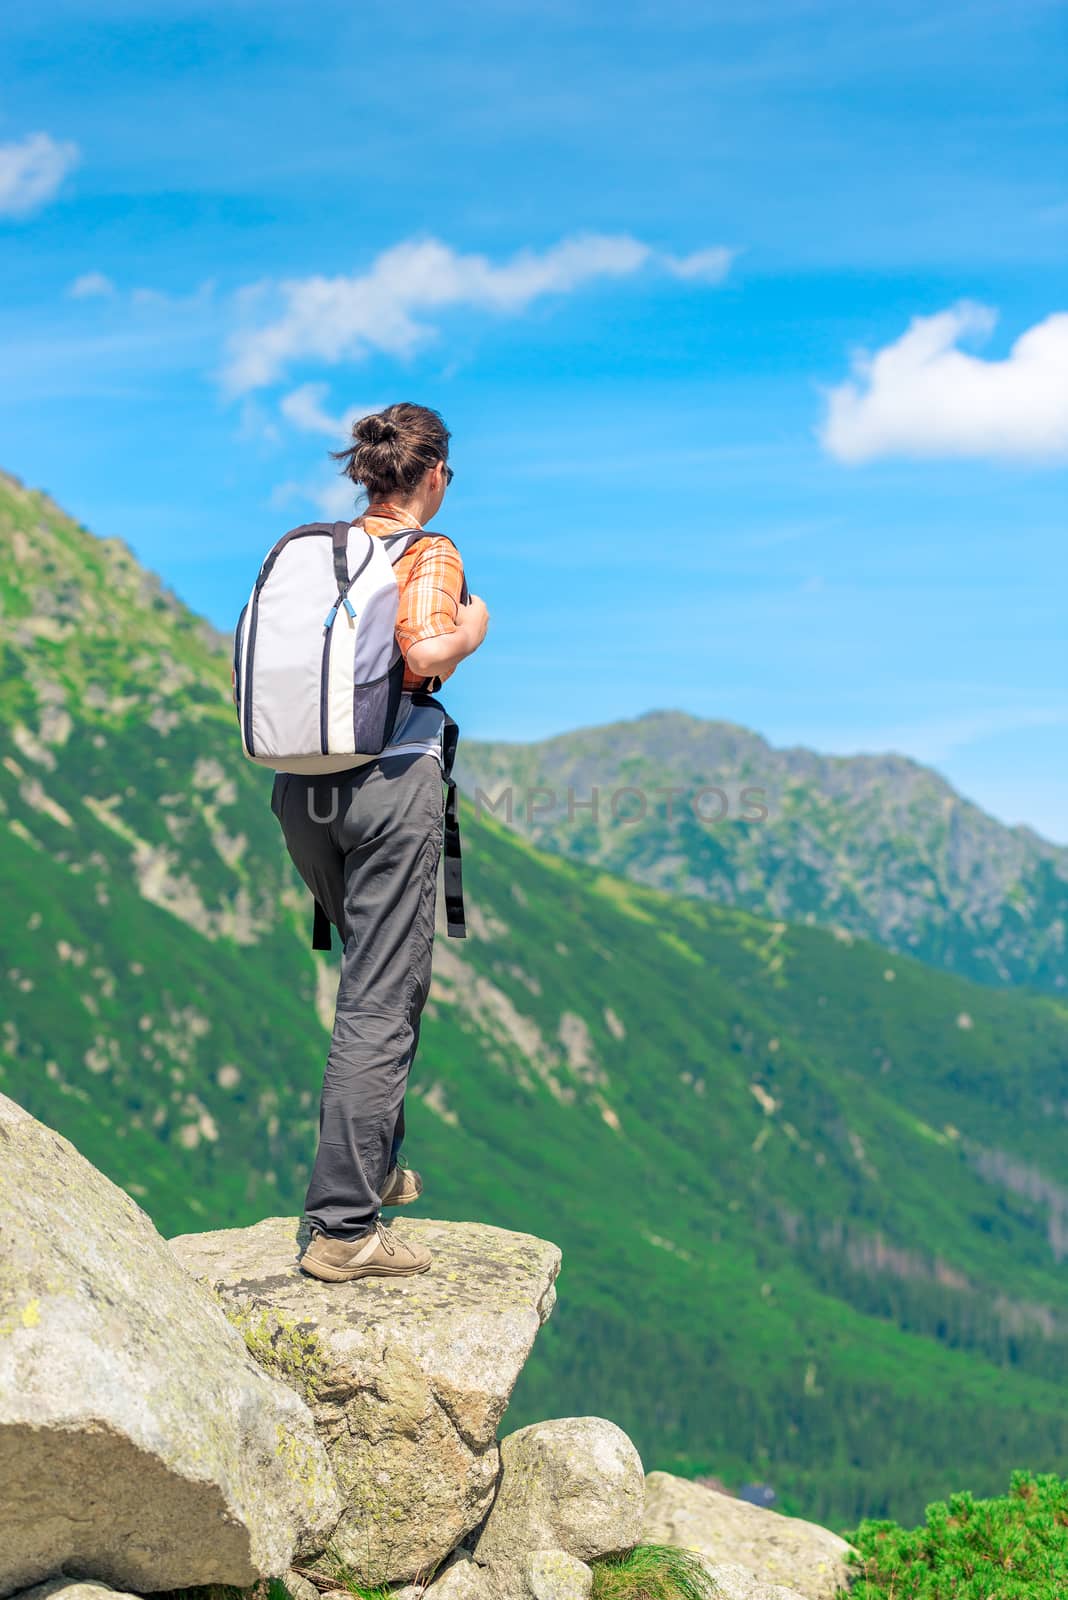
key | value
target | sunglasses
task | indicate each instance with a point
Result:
(449, 474)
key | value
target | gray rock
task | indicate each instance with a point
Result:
(574, 1484)
(139, 1442)
(538, 1575)
(461, 1579)
(776, 1549)
(738, 1583)
(412, 1375)
(300, 1588)
(74, 1589)
(554, 1575)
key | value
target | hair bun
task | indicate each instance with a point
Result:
(375, 430)
(393, 449)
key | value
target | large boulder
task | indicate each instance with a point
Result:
(412, 1374)
(140, 1443)
(574, 1484)
(776, 1549)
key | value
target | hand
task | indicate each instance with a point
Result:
(473, 620)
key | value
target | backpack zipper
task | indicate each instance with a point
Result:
(249, 661)
(324, 685)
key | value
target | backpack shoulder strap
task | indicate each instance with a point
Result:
(339, 534)
(398, 544)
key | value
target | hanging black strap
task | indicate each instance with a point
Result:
(455, 919)
(454, 877)
(321, 936)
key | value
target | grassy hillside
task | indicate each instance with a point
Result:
(810, 1196)
(877, 845)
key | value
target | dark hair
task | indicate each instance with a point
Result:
(391, 449)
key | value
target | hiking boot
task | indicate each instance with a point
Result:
(378, 1254)
(401, 1187)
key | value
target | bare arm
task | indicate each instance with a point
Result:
(433, 658)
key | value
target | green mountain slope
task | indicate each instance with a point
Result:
(878, 845)
(811, 1197)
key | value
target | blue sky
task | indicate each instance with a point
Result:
(749, 323)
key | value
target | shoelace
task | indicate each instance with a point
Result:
(386, 1239)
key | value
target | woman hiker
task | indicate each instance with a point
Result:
(367, 842)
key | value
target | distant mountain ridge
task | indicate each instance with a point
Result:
(877, 845)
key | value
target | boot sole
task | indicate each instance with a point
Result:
(407, 1200)
(328, 1274)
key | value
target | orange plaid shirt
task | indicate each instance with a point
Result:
(430, 578)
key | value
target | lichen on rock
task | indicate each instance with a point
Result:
(411, 1376)
(282, 1346)
(118, 1372)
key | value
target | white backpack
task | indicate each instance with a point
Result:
(318, 673)
(317, 669)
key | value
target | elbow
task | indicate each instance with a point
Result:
(424, 657)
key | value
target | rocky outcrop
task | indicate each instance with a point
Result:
(407, 1378)
(140, 1442)
(161, 1432)
(806, 1559)
(574, 1484)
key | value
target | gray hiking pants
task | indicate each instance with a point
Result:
(367, 844)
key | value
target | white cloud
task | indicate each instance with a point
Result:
(305, 409)
(334, 498)
(703, 266)
(90, 285)
(935, 739)
(283, 494)
(31, 171)
(330, 319)
(256, 425)
(921, 396)
(162, 300)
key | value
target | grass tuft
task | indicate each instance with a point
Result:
(652, 1572)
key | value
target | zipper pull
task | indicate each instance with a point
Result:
(329, 623)
(349, 607)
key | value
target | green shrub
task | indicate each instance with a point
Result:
(651, 1572)
(1013, 1548)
